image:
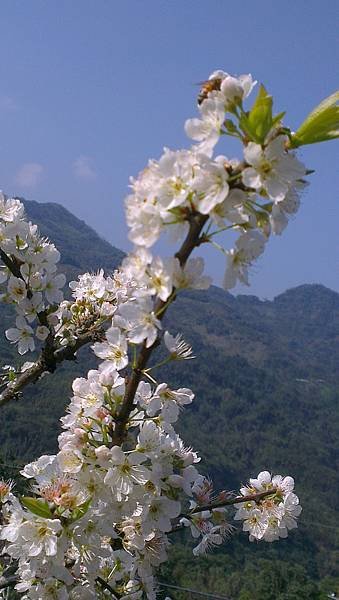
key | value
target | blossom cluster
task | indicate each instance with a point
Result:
(254, 196)
(272, 516)
(33, 285)
(101, 509)
(95, 298)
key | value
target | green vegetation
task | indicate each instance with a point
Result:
(266, 384)
(253, 578)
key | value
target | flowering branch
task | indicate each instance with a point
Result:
(101, 509)
(51, 356)
(230, 501)
(197, 222)
(221, 504)
(13, 267)
(33, 288)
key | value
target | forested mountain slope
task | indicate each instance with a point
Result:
(267, 385)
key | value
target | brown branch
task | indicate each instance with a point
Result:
(11, 264)
(49, 359)
(231, 501)
(107, 587)
(192, 240)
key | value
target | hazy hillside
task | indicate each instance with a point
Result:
(266, 382)
(82, 248)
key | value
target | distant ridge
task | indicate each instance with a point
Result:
(82, 248)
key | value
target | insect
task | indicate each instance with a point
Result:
(210, 85)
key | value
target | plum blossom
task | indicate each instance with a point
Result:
(272, 168)
(177, 347)
(139, 320)
(114, 349)
(42, 332)
(167, 402)
(211, 185)
(270, 517)
(207, 130)
(51, 286)
(11, 209)
(235, 89)
(125, 472)
(249, 246)
(22, 335)
(40, 535)
(31, 264)
(160, 511)
(191, 275)
(159, 279)
(17, 289)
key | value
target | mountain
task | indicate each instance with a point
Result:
(82, 248)
(267, 387)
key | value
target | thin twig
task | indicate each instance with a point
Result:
(191, 591)
(106, 586)
(231, 501)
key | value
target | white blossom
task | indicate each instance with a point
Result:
(271, 168)
(269, 517)
(139, 321)
(207, 130)
(191, 275)
(177, 347)
(22, 335)
(114, 349)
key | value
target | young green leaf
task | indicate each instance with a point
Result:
(260, 117)
(81, 510)
(258, 122)
(278, 118)
(37, 506)
(322, 124)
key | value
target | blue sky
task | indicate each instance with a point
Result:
(90, 89)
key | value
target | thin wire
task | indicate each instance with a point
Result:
(184, 589)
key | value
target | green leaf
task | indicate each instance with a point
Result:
(245, 126)
(258, 122)
(81, 510)
(260, 117)
(278, 118)
(37, 506)
(321, 125)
